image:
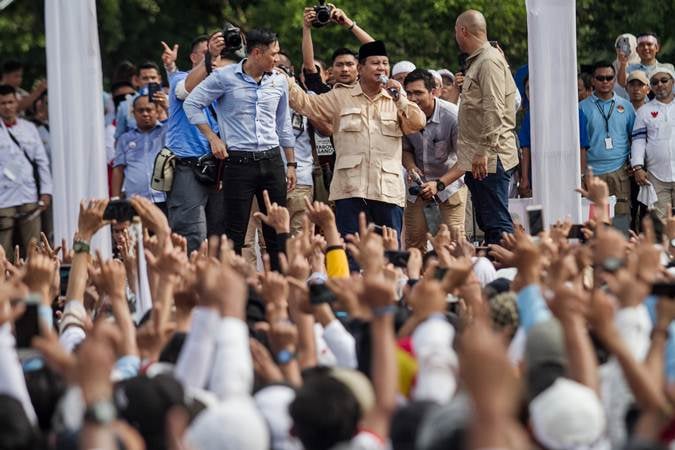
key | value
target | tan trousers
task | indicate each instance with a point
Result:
(665, 192)
(27, 226)
(295, 202)
(453, 213)
(254, 226)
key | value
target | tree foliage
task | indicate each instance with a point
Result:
(419, 30)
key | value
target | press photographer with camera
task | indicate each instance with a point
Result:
(343, 61)
(428, 155)
(195, 207)
(251, 103)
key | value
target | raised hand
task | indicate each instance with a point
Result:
(442, 238)
(169, 55)
(212, 275)
(390, 238)
(170, 260)
(596, 189)
(151, 216)
(111, 278)
(277, 216)
(39, 275)
(367, 247)
(90, 219)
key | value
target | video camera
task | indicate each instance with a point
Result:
(323, 14)
(233, 40)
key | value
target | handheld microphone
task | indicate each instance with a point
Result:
(392, 91)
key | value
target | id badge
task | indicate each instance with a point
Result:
(608, 143)
(324, 147)
(297, 122)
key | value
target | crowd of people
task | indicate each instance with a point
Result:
(298, 270)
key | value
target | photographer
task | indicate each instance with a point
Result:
(343, 60)
(429, 154)
(254, 120)
(195, 210)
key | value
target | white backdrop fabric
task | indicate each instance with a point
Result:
(75, 113)
(552, 56)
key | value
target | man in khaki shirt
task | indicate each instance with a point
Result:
(486, 145)
(369, 120)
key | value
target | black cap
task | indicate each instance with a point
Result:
(375, 48)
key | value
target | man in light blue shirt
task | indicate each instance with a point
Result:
(254, 120)
(135, 154)
(195, 210)
(609, 121)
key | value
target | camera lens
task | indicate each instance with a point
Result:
(323, 15)
(233, 40)
(414, 190)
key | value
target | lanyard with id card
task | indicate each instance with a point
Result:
(609, 145)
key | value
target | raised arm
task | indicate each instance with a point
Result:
(199, 72)
(340, 17)
(307, 44)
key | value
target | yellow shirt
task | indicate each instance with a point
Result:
(487, 111)
(367, 138)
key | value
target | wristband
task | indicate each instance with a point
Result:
(384, 310)
(352, 26)
(284, 357)
(292, 164)
(334, 247)
(80, 246)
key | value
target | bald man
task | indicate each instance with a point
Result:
(486, 145)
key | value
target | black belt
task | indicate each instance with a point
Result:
(237, 156)
(192, 161)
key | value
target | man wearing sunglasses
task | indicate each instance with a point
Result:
(610, 121)
(654, 141)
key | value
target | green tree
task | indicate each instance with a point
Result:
(419, 30)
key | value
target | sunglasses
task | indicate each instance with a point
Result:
(605, 78)
(656, 81)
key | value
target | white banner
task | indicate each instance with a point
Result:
(552, 52)
(75, 113)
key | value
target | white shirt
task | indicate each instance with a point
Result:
(17, 185)
(654, 140)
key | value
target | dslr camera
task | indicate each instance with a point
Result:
(323, 14)
(233, 41)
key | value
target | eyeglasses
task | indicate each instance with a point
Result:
(656, 81)
(605, 78)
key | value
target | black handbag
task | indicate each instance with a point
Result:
(34, 164)
(209, 171)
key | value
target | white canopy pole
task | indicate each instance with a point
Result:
(75, 113)
(552, 51)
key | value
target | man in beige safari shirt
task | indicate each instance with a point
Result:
(369, 120)
(486, 145)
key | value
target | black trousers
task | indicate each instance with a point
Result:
(245, 175)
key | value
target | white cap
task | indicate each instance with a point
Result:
(661, 69)
(484, 270)
(273, 402)
(402, 67)
(232, 425)
(436, 75)
(568, 415)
